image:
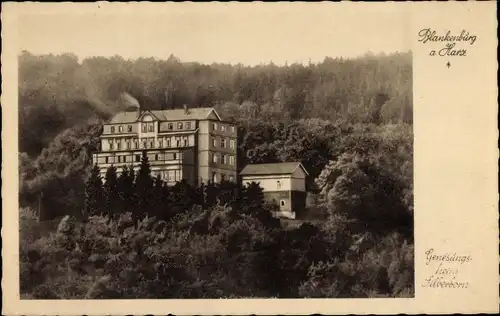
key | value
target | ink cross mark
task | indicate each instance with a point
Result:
(448, 64)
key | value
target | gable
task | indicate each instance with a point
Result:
(213, 116)
(299, 173)
(147, 116)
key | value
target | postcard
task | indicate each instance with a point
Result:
(249, 158)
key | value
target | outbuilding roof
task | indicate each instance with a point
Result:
(272, 168)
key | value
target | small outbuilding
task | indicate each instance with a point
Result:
(282, 183)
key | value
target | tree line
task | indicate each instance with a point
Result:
(142, 195)
(59, 91)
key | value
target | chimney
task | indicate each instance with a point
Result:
(186, 109)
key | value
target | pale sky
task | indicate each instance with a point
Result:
(232, 33)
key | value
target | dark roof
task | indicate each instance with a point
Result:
(164, 115)
(272, 168)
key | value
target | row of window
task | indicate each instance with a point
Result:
(223, 159)
(150, 127)
(224, 143)
(180, 125)
(146, 143)
(121, 128)
(216, 178)
(169, 175)
(222, 127)
(137, 158)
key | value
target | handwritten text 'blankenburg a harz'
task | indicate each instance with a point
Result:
(450, 47)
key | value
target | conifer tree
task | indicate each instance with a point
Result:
(227, 192)
(94, 195)
(210, 194)
(200, 195)
(253, 195)
(157, 199)
(111, 192)
(183, 196)
(126, 189)
(143, 188)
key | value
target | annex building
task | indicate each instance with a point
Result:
(283, 184)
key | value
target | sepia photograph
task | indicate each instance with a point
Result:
(249, 158)
(207, 155)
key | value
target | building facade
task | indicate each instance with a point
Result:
(194, 145)
(283, 184)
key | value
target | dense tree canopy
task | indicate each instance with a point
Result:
(56, 92)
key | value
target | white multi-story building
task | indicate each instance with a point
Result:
(191, 144)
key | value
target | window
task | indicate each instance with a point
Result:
(223, 143)
(223, 128)
(223, 159)
(128, 144)
(111, 145)
(160, 143)
(144, 127)
(214, 126)
(222, 177)
(188, 125)
(178, 142)
(184, 141)
(170, 126)
(136, 144)
(105, 159)
(233, 129)
(120, 129)
(214, 142)
(215, 158)
(175, 156)
(118, 144)
(231, 160)
(129, 128)
(112, 129)
(282, 203)
(168, 142)
(214, 177)
(231, 178)
(156, 157)
(179, 125)
(152, 143)
(151, 127)
(137, 158)
(144, 144)
(278, 184)
(171, 175)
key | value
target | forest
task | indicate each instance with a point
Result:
(349, 121)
